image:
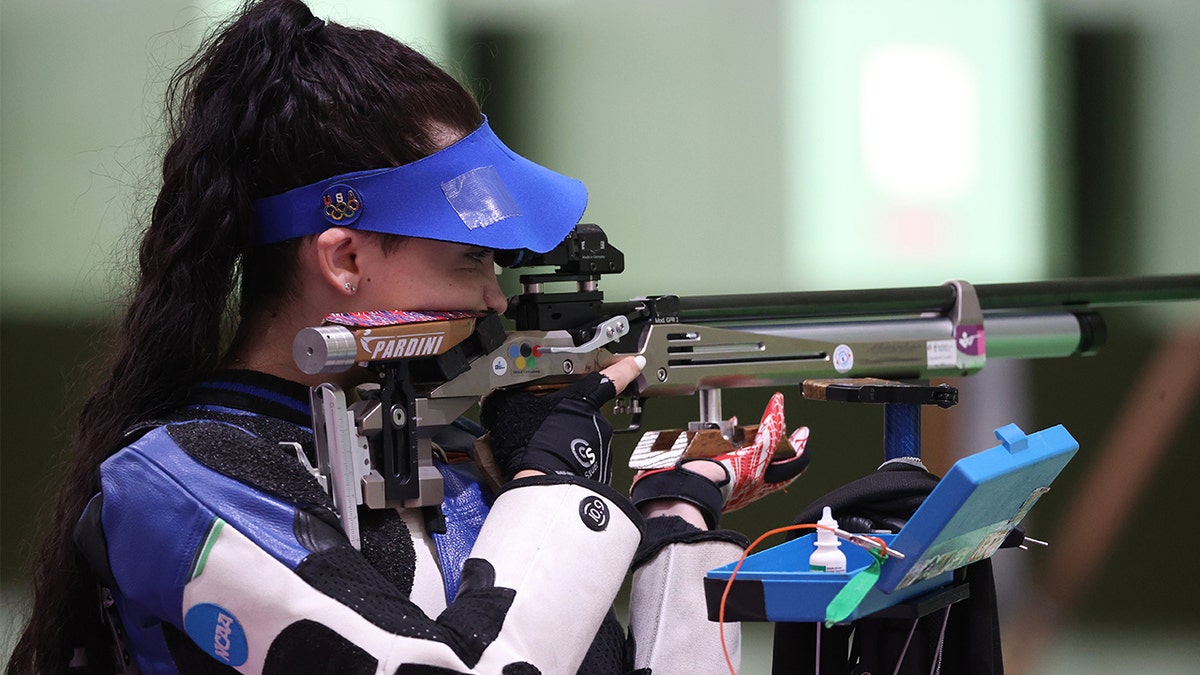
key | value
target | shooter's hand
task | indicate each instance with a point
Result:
(734, 479)
(560, 432)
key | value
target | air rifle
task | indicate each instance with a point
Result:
(432, 367)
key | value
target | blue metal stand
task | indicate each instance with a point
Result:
(901, 430)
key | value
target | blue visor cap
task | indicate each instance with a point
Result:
(475, 192)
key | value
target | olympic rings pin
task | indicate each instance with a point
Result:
(341, 204)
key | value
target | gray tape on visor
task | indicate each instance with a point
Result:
(480, 198)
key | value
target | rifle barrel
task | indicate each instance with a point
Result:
(1080, 293)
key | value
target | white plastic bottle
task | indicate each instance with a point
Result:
(827, 556)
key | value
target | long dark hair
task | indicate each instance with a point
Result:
(274, 99)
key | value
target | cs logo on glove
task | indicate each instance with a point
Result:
(584, 454)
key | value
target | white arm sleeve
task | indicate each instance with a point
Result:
(564, 547)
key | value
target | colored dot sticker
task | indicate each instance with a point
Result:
(514, 351)
(526, 349)
(519, 363)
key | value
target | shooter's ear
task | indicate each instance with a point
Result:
(337, 251)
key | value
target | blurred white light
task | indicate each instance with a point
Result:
(919, 121)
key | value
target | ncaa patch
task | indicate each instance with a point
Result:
(217, 632)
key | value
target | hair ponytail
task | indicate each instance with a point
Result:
(274, 99)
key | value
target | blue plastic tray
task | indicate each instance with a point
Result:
(963, 520)
(775, 585)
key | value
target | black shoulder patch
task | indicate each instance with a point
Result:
(388, 546)
(253, 460)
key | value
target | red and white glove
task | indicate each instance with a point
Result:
(755, 471)
(751, 472)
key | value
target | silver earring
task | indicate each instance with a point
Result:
(350, 288)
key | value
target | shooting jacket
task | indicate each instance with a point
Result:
(222, 554)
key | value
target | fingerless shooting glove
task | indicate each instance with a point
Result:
(561, 432)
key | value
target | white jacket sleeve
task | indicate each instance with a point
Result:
(564, 545)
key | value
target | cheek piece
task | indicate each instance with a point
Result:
(475, 192)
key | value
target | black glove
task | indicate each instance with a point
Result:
(561, 432)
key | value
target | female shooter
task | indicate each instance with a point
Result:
(186, 524)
